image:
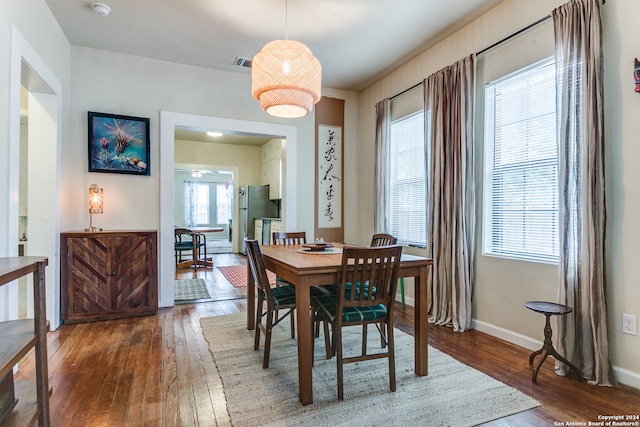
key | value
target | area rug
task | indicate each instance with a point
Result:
(190, 290)
(237, 275)
(453, 394)
(219, 246)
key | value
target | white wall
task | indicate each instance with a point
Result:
(247, 158)
(34, 52)
(502, 286)
(621, 35)
(123, 84)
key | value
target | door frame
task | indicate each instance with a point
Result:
(168, 122)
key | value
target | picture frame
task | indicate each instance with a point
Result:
(118, 144)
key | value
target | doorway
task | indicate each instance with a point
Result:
(169, 122)
(32, 78)
(204, 199)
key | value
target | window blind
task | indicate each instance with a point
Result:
(408, 213)
(521, 166)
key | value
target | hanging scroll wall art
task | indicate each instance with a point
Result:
(329, 176)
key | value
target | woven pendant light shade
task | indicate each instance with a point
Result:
(286, 79)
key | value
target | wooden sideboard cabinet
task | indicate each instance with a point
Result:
(26, 402)
(108, 274)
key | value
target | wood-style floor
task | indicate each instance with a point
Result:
(152, 371)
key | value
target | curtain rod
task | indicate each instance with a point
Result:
(539, 21)
(510, 36)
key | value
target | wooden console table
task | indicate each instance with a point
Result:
(17, 337)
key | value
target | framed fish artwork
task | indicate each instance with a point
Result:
(118, 144)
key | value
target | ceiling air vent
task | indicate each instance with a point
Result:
(242, 62)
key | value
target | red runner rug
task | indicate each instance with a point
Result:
(237, 275)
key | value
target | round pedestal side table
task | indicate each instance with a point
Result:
(548, 309)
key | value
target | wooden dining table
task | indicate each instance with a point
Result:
(305, 270)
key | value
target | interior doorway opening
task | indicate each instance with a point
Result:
(171, 122)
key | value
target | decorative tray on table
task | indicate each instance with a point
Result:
(318, 246)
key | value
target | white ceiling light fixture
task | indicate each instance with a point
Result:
(196, 174)
(214, 134)
(101, 9)
(286, 78)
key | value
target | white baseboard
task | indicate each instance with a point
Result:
(624, 376)
(627, 377)
(407, 301)
(507, 335)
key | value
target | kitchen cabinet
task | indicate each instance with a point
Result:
(258, 230)
(28, 401)
(264, 227)
(276, 225)
(108, 275)
(271, 167)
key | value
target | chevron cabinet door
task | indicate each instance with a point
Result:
(108, 275)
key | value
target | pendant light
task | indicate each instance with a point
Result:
(286, 78)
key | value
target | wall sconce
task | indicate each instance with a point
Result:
(96, 203)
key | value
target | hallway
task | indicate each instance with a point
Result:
(218, 286)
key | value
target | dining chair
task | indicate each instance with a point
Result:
(294, 238)
(382, 239)
(379, 239)
(187, 240)
(289, 237)
(372, 274)
(276, 298)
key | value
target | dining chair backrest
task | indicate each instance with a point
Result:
(180, 233)
(256, 265)
(370, 274)
(382, 239)
(289, 237)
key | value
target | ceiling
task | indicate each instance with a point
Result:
(356, 41)
(200, 135)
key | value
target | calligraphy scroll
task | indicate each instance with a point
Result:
(329, 176)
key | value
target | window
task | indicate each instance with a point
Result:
(196, 204)
(408, 211)
(224, 203)
(521, 166)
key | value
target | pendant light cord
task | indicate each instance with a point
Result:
(286, 19)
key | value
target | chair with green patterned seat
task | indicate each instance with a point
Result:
(187, 240)
(276, 298)
(293, 238)
(372, 274)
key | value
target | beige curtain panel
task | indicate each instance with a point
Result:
(582, 336)
(382, 178)
(449, 96)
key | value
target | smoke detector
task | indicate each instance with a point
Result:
(101, 9)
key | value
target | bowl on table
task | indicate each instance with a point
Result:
(318, 246)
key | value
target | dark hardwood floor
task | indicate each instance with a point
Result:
(157, 370)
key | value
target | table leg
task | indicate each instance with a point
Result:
(421, 321)
(534, 376)
(546, 350)
(251, 299)
(305, 338)
(40, 324)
